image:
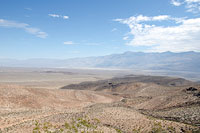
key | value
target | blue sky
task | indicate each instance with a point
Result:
(80, 28)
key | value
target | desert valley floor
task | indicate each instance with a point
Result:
(119, 100)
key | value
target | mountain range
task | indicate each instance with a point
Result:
(167, 61)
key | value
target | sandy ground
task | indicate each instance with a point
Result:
(50, 78)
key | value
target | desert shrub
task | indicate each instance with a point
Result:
(87, 125)
(157, 128)
(196, 130)
(118, 130)
(37, 127)
(80, 125)
(137, 130)
(171, 129)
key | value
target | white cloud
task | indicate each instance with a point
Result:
(191, 1)
(176, 2)
(69, 43)
(36, 32)
(142, 18)
(184, 36)
(65, 17)
(12, 24)
(54, 15)
(161, 18)
(58, 16)
(125, 38)
(191, 5)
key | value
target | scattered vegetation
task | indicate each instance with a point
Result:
(87, 125)
(118, 130)
(137, 130)
(80, 125)
(157, 128)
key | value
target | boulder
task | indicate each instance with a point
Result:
(191, 89)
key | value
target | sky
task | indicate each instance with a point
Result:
(62, 29)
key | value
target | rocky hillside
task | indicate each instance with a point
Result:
(168, 98)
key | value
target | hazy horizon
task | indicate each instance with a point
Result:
(98, 56)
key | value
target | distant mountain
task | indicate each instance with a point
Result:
(185, 61)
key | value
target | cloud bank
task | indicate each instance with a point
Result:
(183, 36)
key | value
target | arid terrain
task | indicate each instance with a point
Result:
(100, 66)
(51, 78)
(121, 102)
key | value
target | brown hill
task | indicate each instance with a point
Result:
(118, 81)
(13, 96)
(152, 95)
